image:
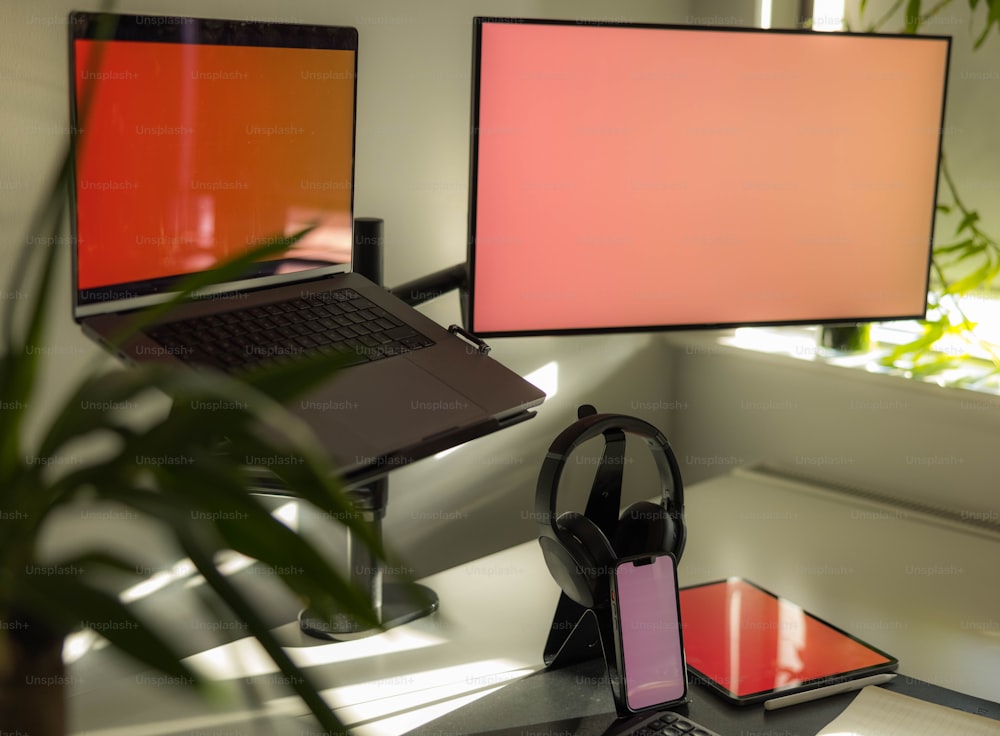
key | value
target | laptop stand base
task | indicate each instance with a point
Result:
(395, 603)
(401, 603)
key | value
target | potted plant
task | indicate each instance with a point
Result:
(95, 449)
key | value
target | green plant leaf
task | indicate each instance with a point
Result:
(246, 527)
(954, 247)
(19, 370)
(912, 19)
(992, 18)
(933, 331)
(969, 220)
(261, 427)
(973, 280)
(933, 365)
(94, 406)
(102, 559)
(176, 501)
(227, 271)
(977, 249)
(65, 600)
(21, 333)
(297, 679)
(287, 379)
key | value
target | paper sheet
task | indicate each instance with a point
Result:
(880, 712)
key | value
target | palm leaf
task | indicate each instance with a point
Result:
(992, 18)
(206, 505)
(65, 600)
(229, 270)
(912, 18)
(298, 680)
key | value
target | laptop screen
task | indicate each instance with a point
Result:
(198, 139)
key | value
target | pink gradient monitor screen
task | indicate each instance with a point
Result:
(639, 177)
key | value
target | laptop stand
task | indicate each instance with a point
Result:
(394, 603)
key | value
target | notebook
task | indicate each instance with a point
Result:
(879, 712)
(202, 138)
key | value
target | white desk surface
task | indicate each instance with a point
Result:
(923, 591)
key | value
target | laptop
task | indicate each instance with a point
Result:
(203, 138)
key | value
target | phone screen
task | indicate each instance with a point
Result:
(649, 634)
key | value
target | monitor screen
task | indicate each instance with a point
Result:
(634, 177)
(202, 138)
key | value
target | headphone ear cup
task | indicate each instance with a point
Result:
(644, 528)
(581, 560)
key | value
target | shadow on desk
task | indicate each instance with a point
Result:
(577, 700)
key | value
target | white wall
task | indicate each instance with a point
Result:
(910, 440)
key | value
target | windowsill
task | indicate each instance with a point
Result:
(803, 344)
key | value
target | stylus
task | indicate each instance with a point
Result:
(824, 692)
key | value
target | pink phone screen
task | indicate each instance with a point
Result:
(653, 658)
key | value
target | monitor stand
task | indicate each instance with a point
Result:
(395, 603)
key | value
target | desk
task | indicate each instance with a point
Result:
(925, 592)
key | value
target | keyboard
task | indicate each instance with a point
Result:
(339, 321)
(666, 723)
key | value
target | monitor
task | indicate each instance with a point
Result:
(641, 177)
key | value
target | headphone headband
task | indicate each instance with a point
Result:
(671, 485)
(579, 551)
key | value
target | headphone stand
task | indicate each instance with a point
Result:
(575, 635)
(591, 636)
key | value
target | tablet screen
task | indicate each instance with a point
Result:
(749, 644)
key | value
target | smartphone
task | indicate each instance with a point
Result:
(645, 611)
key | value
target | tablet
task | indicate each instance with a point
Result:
(749, 645)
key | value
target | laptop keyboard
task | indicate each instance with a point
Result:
(668, 724)
(339, 321)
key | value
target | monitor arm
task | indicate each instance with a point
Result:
(435, 284)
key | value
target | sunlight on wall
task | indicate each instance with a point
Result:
(828, 15)
(764, 18)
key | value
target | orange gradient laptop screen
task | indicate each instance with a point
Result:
(193, 152)
(630, 177)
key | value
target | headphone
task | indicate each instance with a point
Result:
(578, 554)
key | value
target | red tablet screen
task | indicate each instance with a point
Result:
(750, 644)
